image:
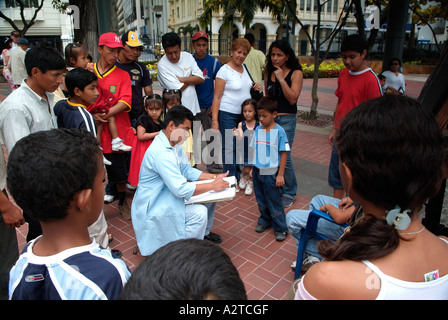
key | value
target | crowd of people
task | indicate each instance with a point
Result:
(78, 134)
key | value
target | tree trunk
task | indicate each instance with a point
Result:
(26, 24)
(88, 33)
(314, 97)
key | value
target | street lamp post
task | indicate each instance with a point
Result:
(158, 9)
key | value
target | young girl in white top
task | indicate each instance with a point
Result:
(392, 155)
(243, 134)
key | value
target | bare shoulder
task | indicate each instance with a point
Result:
(348, 280)
(297, 74)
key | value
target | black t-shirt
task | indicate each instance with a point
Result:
(140, 78)
(146, 122)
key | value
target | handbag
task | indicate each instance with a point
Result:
(254, 94)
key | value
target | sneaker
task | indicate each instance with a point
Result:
(106, 162)
(260, 228)
(242, 183)
(287, 202)
(116, 254)
(308, 262)
(293, 265)
(280, 236)
(109, 198)
(249, 188)
(213, 237)
(120, 146)
(125, 211)
(129, 187)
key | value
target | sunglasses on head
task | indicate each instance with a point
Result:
(171, 91)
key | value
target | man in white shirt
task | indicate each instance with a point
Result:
(30, 108)
(16, 63)
(178, 70)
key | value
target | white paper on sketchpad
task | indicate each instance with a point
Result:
(214, 196)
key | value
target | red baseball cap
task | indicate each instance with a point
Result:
(199, 34)
(111, 40)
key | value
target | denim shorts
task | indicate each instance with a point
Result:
(334, 176)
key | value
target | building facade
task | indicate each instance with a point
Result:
(184, 15)
(51, 27)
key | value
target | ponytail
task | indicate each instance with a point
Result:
(371, 238)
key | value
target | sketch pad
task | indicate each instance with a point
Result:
(214, 196)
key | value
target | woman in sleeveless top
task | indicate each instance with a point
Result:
(284, 80)
(392, 158)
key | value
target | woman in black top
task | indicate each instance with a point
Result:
(284, 80)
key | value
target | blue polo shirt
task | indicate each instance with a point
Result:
(209, 66)
(72, 115)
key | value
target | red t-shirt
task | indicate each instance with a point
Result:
(353, 89)
(118, 83)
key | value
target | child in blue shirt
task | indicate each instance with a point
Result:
(61, 186)
(270, 145)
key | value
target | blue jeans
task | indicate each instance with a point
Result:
(334, 176)
(269, 201)
(297, 219)
(288, 123)
(228, 121)
(211, 206)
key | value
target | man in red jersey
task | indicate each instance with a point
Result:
(117, 82)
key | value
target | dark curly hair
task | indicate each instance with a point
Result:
(394, 150)
(292, 62)
(171, 39)
(47, 168)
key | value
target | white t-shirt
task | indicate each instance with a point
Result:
(236, 89)
(394, 81)
(167, 75)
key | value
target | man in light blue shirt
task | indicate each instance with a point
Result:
(159, 213)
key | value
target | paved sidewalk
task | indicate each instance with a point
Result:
(263, 263)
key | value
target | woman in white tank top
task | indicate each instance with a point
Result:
(392, 155)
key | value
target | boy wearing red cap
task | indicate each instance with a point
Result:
(116, 83)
